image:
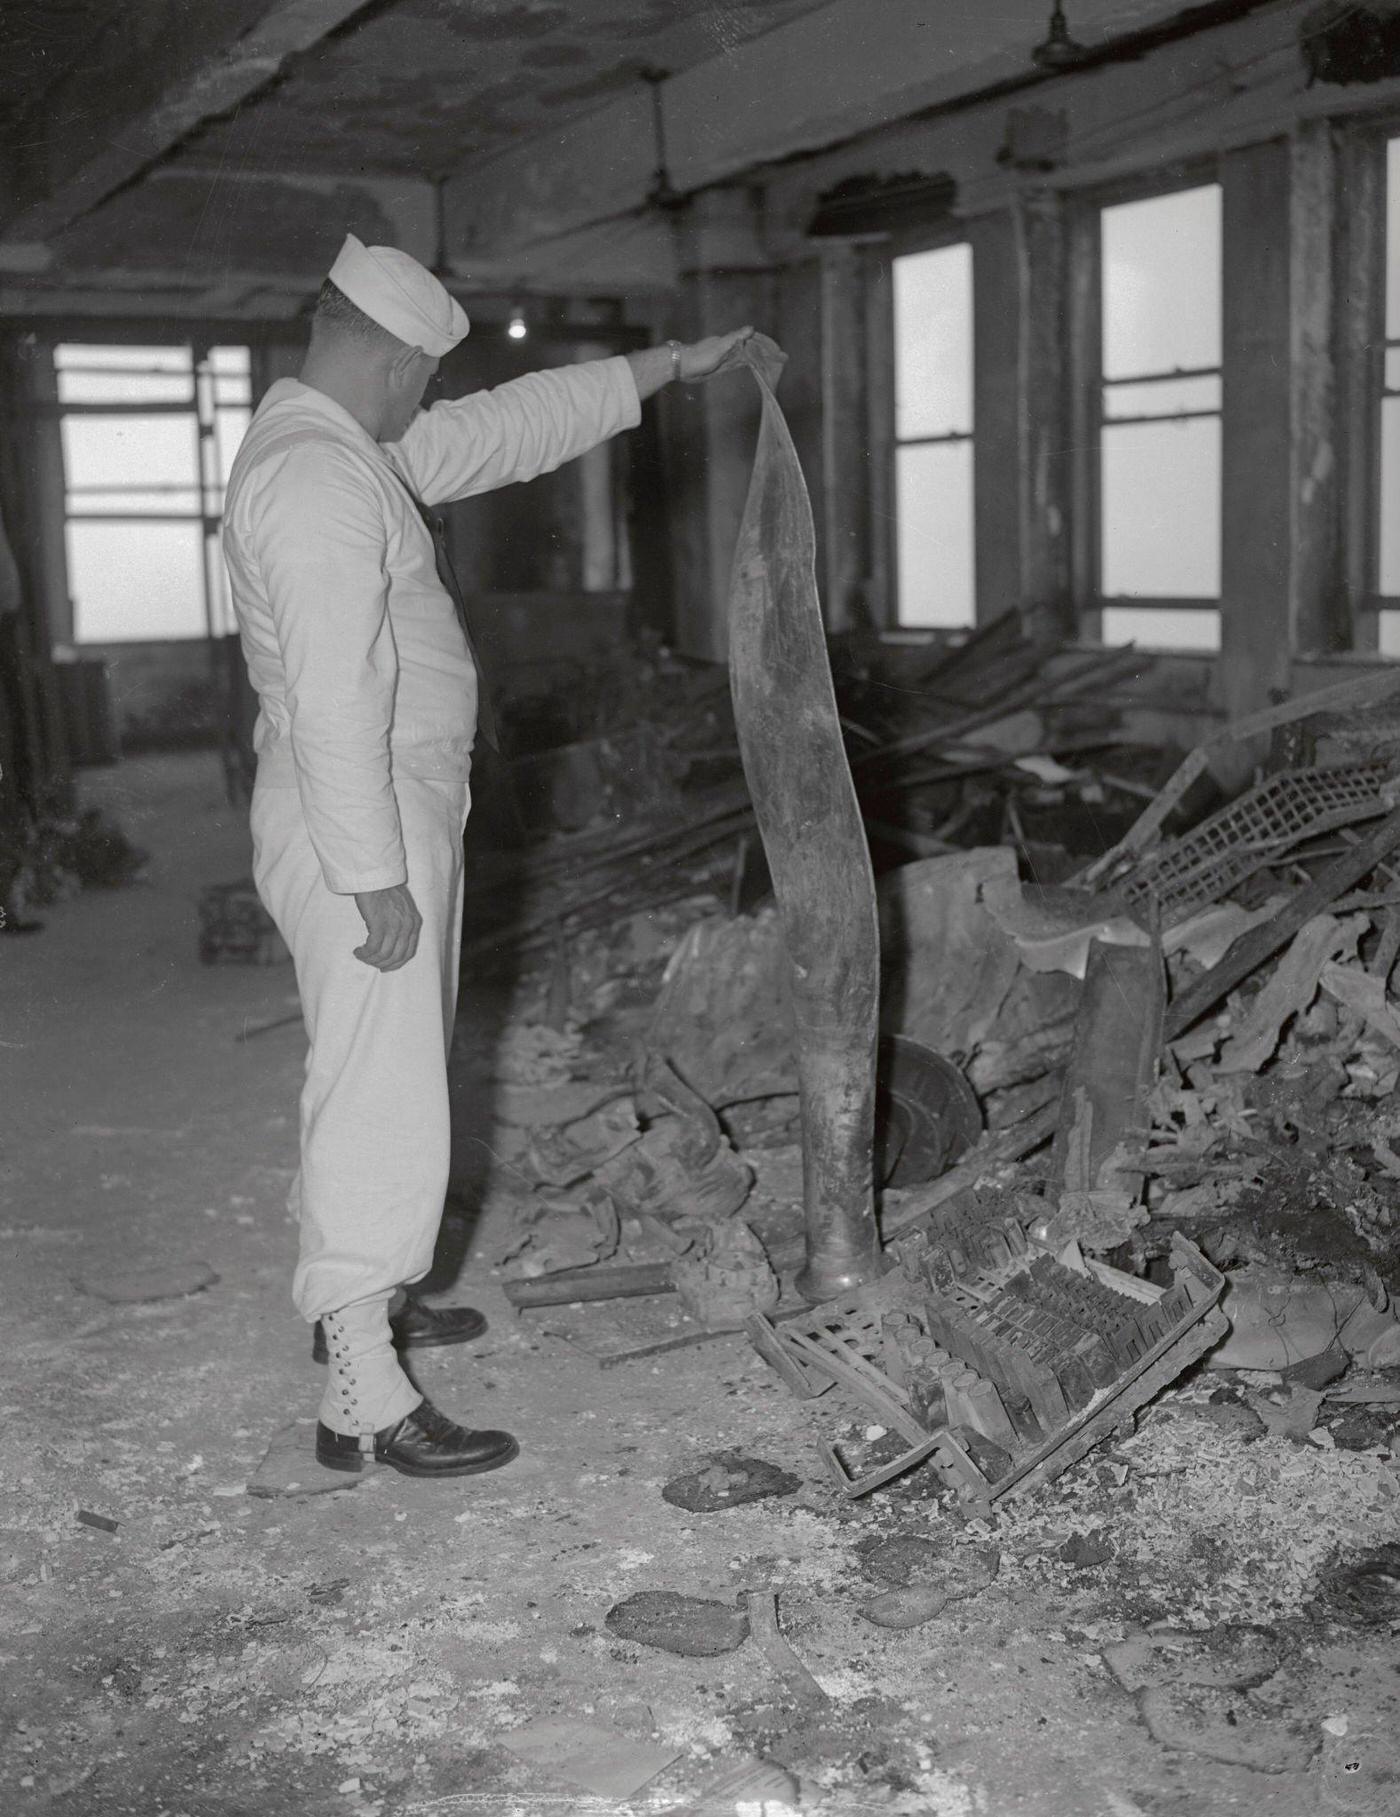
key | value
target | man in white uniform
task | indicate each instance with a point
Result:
(369, 706)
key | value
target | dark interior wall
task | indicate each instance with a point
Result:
(164, 695)
(530, 538)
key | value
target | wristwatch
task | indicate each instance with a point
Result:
(675, 347)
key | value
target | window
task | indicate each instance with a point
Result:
(1160, 420)
(933, 437)
(148, 436)
(1388, 502)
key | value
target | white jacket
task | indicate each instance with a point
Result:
(351, 640)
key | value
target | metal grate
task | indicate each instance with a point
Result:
(1205, 864)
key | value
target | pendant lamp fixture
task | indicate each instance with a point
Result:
(1059, 50)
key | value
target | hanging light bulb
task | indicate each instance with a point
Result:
(1059, 51)
(517, 327)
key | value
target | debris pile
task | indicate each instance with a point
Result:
(1095, 1095)
(625, 791)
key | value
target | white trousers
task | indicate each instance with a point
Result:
(375, 1132)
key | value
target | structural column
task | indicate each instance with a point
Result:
(1257, 522)
(844, 512)
(996, 414)
(711, 429)
(1317, 607)
(1043, 436)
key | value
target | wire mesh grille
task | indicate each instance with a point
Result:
(1206, 863)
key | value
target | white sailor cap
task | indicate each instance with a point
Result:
(393, 289)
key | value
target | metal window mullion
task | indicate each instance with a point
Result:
(122, 491)
(205, 405)
(153, 408)
(1171, 602)
(934, 441)
(1164, 378)
(133, 517)
(1176, 416)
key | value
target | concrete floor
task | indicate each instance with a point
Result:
(373, 1650)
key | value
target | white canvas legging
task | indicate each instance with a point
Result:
(375, 1131)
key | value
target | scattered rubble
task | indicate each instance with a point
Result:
(695, 1626)
(930, 1583)
(1363, 1590)
(729, 1480)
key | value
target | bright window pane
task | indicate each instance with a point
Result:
(1161, 510)
(933, 343)
(123, 388)
(1165, 399)
(1388, 633)
(133, 582)
(150, 452)
(1390, 497)
(1392, 368)
(933, 486)
(1161, 628)
(123, 375)
(1161, 283)
(1392, 242)
(122, 359)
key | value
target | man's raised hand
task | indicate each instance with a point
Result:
(719, 353)
(392, 925)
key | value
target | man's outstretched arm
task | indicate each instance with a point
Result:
(534, 424)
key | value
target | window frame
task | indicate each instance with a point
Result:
(906, 244)
(202, 406)
(38, 347)
(1087, 387)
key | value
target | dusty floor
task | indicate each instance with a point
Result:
(372, 1650)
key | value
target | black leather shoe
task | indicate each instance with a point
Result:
(423, 1443)
(419, 1327)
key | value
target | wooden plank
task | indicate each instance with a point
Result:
(1342, 696)
(574, 1286)
(1261, 943)
(766, 1636)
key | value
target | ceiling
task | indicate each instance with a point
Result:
(42, 39)
(205, 138)
(409, 87)
(422, 84)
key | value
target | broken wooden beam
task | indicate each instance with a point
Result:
(573, 1286)
(1261, 943)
